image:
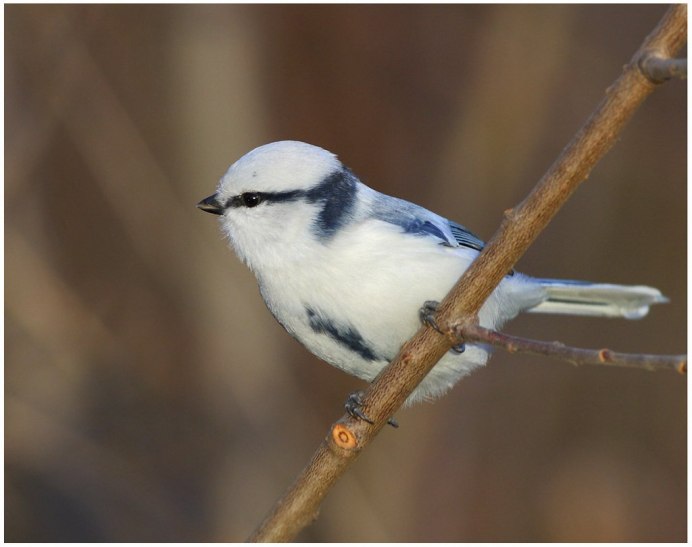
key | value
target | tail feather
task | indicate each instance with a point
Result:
(597, 299)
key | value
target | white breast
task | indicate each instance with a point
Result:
(374, 281)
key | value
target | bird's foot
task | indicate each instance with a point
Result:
(427, 317)
(353, 406)
(427, 314)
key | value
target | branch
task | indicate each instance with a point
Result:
(471, 332)
(660, 69)
(300, 505)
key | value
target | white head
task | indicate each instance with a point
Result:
(280, 194)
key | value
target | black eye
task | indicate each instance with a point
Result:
(251, 199)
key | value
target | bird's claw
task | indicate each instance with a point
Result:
(427, 317)
(459, 348)
(427, 314)
(353, 407)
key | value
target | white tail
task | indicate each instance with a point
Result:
(597, 299)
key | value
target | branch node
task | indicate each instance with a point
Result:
(343, 437)
(605, 355)
(509, 214)
(658, 68)
(682, 367)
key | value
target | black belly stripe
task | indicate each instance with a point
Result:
(344, 334)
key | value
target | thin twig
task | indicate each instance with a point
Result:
(660, 69)
(521, 226)
(470, 332)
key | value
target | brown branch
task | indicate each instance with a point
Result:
(470, 332)
(520, 227)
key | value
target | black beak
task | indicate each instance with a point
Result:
(211, 205)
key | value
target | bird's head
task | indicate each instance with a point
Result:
(282, 194)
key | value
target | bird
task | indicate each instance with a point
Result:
(346, 270)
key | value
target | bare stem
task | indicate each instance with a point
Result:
(521, 226)
(659, 69)
(470, 332)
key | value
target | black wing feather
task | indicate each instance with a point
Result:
(465, 237)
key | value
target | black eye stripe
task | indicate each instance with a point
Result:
(335, 194)
(253, 199)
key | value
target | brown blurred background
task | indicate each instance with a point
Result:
(149, 396)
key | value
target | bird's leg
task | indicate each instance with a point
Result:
(427, 317)
(353, 406)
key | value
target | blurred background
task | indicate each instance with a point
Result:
(150, 396)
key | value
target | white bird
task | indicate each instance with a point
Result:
(345, 269)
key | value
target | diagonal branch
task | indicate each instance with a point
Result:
(300, 505)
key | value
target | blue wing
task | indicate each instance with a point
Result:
(416, 220)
